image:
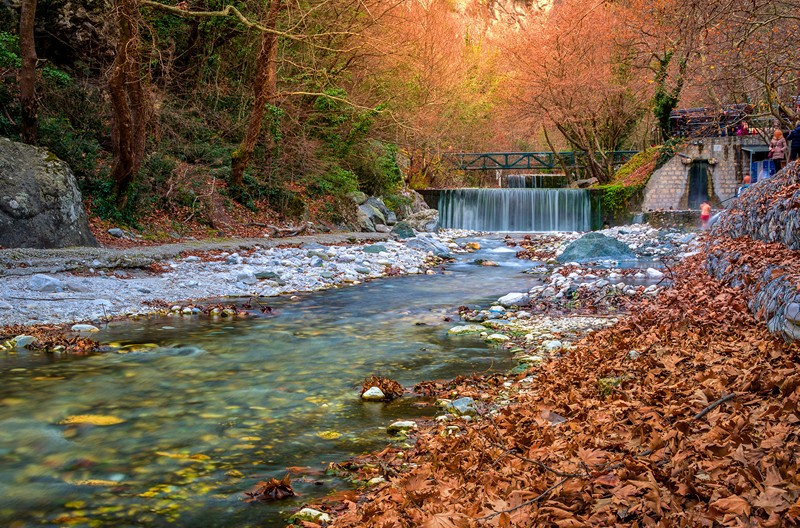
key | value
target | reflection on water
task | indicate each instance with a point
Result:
(220, 405)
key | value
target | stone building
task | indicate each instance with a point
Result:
(709, 168)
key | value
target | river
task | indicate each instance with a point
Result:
(207, 408)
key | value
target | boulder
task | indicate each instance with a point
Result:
(426, 220)
(40, 204)
(358, 197)
(514, 299)
(596, 246)
(427, 244)
(403, 230)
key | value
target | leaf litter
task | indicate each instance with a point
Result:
(700, 428)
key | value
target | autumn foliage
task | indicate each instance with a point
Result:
(698, 430)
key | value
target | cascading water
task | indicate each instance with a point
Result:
(515, 209)
(524, 181)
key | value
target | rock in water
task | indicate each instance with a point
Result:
(40, 204)
(425, 220)
(373, 394)
(595, 246)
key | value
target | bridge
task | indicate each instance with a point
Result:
(526, 160)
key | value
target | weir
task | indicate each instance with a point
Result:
(536, 181)
(515, 209)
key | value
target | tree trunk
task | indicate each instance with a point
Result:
(128, 106)
(265, 88)
(27, 74)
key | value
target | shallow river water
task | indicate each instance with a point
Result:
(207, 408)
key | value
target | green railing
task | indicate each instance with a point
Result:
(525, 160)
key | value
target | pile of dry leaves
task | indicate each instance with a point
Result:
(684, 413)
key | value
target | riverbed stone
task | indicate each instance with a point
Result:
(311, 515)
(466, 329)
(552, 345)
(22, 341)
(428, 244)
(497, 338)
(596, 246)
(46, 283)
(403, 230)
(402, 426)
(374, 248)
(373, 394)
(653, 273)
(513, 299)
(84, 328)
(463, 406)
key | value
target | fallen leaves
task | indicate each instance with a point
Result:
(91, 419)
(271, 490)
(700, 432)
(390, 388)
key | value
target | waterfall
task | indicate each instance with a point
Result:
(515, 209)
(524, 181)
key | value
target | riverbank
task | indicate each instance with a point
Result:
(681, 412)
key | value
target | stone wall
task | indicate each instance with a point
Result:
(754, 246)
(668, 188)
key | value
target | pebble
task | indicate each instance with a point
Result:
(84, 328)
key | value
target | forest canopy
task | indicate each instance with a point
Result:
(289, 105)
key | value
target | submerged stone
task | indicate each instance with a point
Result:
(373, 394)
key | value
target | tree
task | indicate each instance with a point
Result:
(27, 73)
(129, 109)
(575, 76)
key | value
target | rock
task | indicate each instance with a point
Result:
(792, 312)
(426, 220)
(319, 253)
(497, 309)
(46, 283)
(315, 262)
(371, 213)
(192, 258)
(486, 263)
(466, 329)
(391, 218)
(374, 481)
(374, 248)
(311, 515)
(583, 184)
(497, 338)
(358, 197)
(427, 244)
(402, 426)
(653, 273)
(269, 275)
(595, 246)
(513, 299)
(21, 341)
(463, 406)
(40, 204)
(403, 230)
(552, 345)
(373, 394)
(84, 328)
(116, 232)
(380, 228)
(245, 276)
(473, 246)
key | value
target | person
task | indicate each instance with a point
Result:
(794, 138)
(705, 214)
(777, 149)
(745, 184)
(743, 130)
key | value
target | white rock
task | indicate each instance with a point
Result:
(311, 515)
(513, 299)
(498, 338)
(401, 426)
(21, 341)
(466, 329)
(84, 328)
(653, 273)
(373, 394)
(46, 283)
(552, 345)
